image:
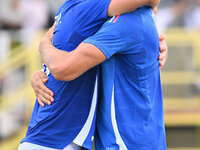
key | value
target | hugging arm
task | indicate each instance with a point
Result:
(67, 66)
(117, 7)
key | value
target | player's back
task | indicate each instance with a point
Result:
(64, 121)
(130, 112)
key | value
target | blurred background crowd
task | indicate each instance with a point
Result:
(21, 25)
(21, 19)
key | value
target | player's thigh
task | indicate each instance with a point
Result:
(30, 146)
(72, 146)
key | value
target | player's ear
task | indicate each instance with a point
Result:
(155, 10)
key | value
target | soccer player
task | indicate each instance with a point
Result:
(130, 110)
(71, 118)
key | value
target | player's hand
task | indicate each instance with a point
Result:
(163, 50)
(43, 94)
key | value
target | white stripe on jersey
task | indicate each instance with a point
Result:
(119, 140)
(112, 19)
(81, 137)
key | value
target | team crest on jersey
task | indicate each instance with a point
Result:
(58, 18)
(46, 69)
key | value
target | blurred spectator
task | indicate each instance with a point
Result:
(9, 14)
(11, 19)
(27, 15)
(4, 45)
(35, 17)
(167, 15)
(191, 19)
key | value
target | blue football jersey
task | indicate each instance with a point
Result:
(71, 118)
(130, 110)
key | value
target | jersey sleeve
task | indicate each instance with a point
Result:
(90, 15)
(122, 37)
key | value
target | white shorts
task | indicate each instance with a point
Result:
(31, 146)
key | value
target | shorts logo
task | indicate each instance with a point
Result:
(110, 148)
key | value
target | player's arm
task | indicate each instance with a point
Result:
(70, 65)
(67, 66)
(117, 7)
